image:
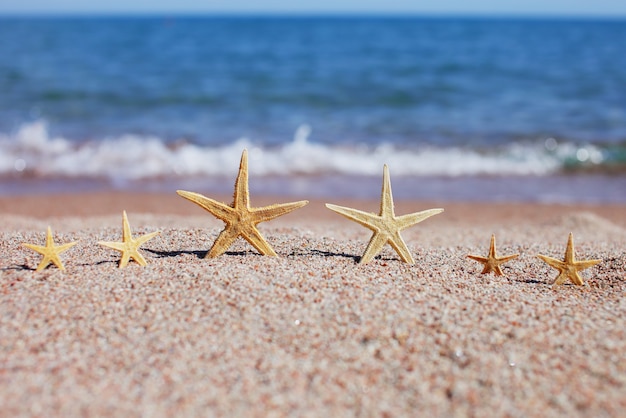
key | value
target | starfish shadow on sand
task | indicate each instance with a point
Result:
(243, 253)
(168, 254)
(100, 263)
(322, 253)
(17, 267)
(529, 281)
(198, 253)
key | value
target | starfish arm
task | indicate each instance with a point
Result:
(506, 258)
(552, 262)
(576, 279)
(45, 262)
(484, 261)
(138, 257)
(42, 264)
(49, 239)
(411, 219)
(478, 258)
(218, 209)
(366, 219)
(145, 238)
(56, 260)
(254, 237)
(268, 213)
(124, 260)
(569, 251)
(486, 269)
(37, 248)
(377, 242)
(492, 246)
(64, 247)
(118, 246)
(585, 264)
(241, 197)
(386, 196)
(224, 240)
(122, 247)
(560, 279)
(398, 244)
(496, 270)
(126, 234)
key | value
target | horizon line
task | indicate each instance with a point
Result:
(314, 14)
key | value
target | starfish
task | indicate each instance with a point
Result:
(240, 218)
(129, 247)
(50, 251)
(386, 225)
(569, 267)
(492, 261)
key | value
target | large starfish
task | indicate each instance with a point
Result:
(240, 218)
(492, 261)
(129, 247)
(50, 251)
(569, 267)
(386, 225)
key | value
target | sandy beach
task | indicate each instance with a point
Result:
(311, 332)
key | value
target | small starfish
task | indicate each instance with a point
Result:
(492, 261)
(240, 218)
(129, 247)
(50, 251)
(386, 225)
(569, 267)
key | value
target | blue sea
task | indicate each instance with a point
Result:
(459, 108)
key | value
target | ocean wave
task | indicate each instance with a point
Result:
(32, 150)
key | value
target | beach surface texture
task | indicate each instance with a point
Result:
(310, 332)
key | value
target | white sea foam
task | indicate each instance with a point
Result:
(131, 157)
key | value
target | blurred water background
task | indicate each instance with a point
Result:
(460, 108)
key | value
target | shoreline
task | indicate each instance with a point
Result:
(561, 188)
(112, 203)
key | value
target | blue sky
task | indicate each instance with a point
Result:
(481, 7)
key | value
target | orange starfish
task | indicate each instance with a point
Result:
(569, 267)
(492, 262)
(240, 218)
